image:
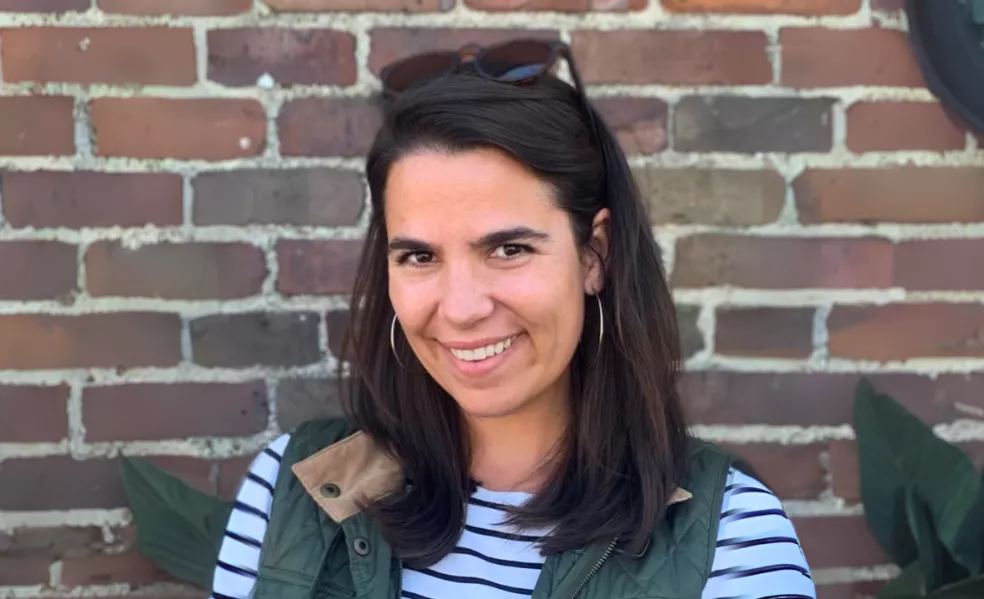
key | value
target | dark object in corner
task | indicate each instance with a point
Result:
(947, 37)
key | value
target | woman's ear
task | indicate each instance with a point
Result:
(597, 253)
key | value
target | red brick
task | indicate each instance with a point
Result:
(832, 58)
(33, 414)
(903, 331)
(360, 5)
(888, 5)
(720, 197)
(250, 339)
(895, 194)
(889, 126)
(838, 541)
(37, 126)
(337, 328)
(117, 340)
(388, 45)
(52, 543)
(231, 473)
(798, 7)
(865, 589)
(791, 471)
(562, 6)
(148, 412)
(44, 6)
(175, 270)
(917, 265)
(206, 129)
(238, 57)
(672, 57)
(303, 197)
(328, 127)
(177, 7)
(62, 483)
(317, 267)
(300, 400)
(24, 571)
(782, 263)
(691, 337)
(130, 567)
(638, 123)
(37, 270)
(764, 332)
(144, 55)
(86, 199)
(821, 399)
(738, 124)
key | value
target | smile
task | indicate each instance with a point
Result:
(482, 353)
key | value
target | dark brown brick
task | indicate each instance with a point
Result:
(231, 473)
(822, 399)
(906, 194)
(33, 414)
(201, 128)
(44, 6)
(140, 55)
(691, 338)
(52, 543)
(37, 270)
(720, 197)
(337, 328)
(838, 541)
(891, 126)
(238, 57)
(302, 197)
(300, 400)
(87, 199)
(147, 412)
(37, 126)
(791, 471)
(241, 340)
(638, 123)
(317, 267)
(360, 5)
(917, 265)
(24, 571)
(783, 263)
(798, 7)
(815, 57)
(903, 331)
(177, 7)
(561, 6)
(888, 5)
(328, 127)
(749, 125)
(118, 340)
(672, 57)
(119, 568)
(389, 44)
(764, 332)
(175, 270)
(865, 589)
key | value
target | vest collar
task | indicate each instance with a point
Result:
(355, 469)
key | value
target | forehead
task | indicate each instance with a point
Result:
(432, 194)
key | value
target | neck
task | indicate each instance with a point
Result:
(515, 452)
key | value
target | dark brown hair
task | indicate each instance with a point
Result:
(626, 450)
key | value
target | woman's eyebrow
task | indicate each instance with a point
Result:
(491, 239)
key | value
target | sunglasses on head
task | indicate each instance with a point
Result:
(516, 61)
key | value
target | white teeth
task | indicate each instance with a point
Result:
(481, 353)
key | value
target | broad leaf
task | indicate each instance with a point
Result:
(907, 585)
(178, 527)
(971, 588)
(897, 450)
(977, 11)
(930, 550)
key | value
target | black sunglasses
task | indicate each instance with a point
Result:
(516, 61)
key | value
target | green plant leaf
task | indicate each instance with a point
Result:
(178, 527)
(907, 585)
(930, 549)
(897, 450)
(977, 11)
(971, 588)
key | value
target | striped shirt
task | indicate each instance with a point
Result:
(758, 554)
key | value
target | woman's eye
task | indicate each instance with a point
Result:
(416, 258)
(508, 251)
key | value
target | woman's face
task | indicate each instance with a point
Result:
(486, 279)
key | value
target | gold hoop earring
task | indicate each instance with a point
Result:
(393, 343)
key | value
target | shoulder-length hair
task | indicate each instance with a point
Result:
(626, 449)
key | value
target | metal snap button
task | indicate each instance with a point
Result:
(330, 490)
(361, 546)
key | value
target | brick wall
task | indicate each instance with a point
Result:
(182, 204)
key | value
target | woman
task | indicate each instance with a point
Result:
(513, 425)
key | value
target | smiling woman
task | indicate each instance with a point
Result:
(513, 425)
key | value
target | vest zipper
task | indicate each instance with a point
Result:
(604, 557)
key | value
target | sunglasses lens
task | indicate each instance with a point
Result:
(417, 69)
(516, 61)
